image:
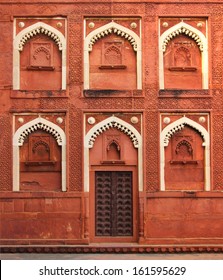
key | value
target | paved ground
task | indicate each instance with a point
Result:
(204, 256)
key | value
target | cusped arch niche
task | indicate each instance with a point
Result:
(165, 137)
(191, 32)
(19, 138)
(26, 34)
(94, 132)
(104, 31)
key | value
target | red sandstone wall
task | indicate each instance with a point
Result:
(177, 220)
(57, 216)
(28, 218)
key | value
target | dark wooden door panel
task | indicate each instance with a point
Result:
(103, 204)
(114, 212)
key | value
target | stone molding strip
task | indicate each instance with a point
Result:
(111, 249)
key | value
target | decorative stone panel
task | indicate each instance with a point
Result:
(190, 66)
(98, 29)
(184, 151)
(29, 29)
(28, 125)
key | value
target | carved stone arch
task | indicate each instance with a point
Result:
(169, 131)
(121, 31)
(41, 143)
(94, 132)
(113, 150)
(41, 50)
(23, 36)
(186, 29)
(184, 143)
(109, 28)
(113, 141)
(23, 132)
(115, 123)
(196, 35)
(39, 28)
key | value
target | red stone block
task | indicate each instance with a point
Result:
(34, 205)
(8, 206)
(19, 205)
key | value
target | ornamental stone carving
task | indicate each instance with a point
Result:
(114, 124)
(39, 125)
(40, 30)
(186, 31)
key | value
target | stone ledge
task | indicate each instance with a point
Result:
(111, 93)
(184, 93)
(117, 248)
(38, 93)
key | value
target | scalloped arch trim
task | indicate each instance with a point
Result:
(172, 128)
(39, 123)
(115, 28)
(39, 28)
(183, 28)
(113, 122)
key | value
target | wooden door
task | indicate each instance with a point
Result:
(113, 204)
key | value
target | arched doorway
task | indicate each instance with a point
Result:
(114, 181)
